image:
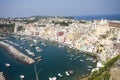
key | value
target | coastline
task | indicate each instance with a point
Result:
(16, 54)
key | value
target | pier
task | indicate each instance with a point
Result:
(17, 54)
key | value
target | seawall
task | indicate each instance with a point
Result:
(16, 54)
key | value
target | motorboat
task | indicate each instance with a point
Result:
(7, 64)
(71, 71)
(29, 52)
(52, 78)
(60, 75)
(22, 76)
(67, 73)
(38, 49)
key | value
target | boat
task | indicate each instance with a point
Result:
(71, 71)
(70, 58)
(94, 61)
(81, 60)
(22, 76)
(38, 57)
(60, 75)
(31, 45)
(29, 52)
(67, 73)
(89, 66)
(52, 78)
(38, 49)
(88, 69)
(68, 51)
(43, 44)
(7, 64)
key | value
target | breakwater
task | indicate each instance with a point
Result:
(16, 54)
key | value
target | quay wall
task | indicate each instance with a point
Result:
(16, 54)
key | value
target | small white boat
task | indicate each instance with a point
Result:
(70, 58)
(29, 52)
(7, 64)
(43, 44)
(89, 66)
(88, 69)
(31, 45)
(67, 73)
(94, 61)
(52, 78)
(22, 76)
(38, 49)
(68, 51)
(60, 75)
(71, 71)
(81, 60)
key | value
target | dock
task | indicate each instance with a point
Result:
(16, 54)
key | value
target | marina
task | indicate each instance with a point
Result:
(54, 63)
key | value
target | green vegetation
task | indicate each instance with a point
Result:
(6, 28)
(20, 28)
(62, 23)
(41, 25)
(103, 73)
(103, 36)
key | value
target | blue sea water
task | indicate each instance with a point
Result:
(54, 60)
(98, 17)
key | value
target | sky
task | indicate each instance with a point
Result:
(25, 8)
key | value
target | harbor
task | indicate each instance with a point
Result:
(53, 62)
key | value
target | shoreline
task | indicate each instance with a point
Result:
(16, 54)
